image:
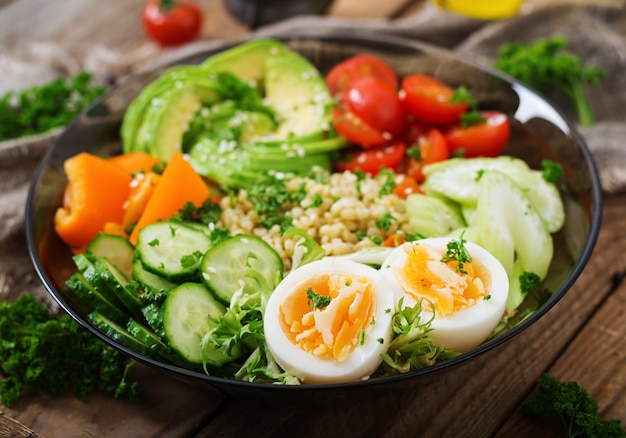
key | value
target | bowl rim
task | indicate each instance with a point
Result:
(336, 36)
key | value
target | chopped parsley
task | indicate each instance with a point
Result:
(552, 172)
(271, 199)
(190, 260)
(316, 301)
(209, 212)
(456, 252)
(385, 221)
(51, 354)
(44, 107)
(529, 281)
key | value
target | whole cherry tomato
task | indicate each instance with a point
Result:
(486, 139)
(172, 22)
(377, 103)
(344, 74)
(372, 160)
(370, 113)
(430, 100)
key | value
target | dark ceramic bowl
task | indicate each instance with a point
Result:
(539, 132)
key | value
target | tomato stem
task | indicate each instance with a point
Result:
(167, 5)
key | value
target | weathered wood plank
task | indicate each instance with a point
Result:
(167, 407)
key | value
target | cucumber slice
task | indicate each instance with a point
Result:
(117, 331)
(224, 266)
(152, 314)
(86, 292)
(116, 249)
(188, 314)
(432, 216)
(510, 227)
(117, 282)
(95, 280)
(458, 178)
(152, 284)
(545, 198)
(171, 249)
(149, 338)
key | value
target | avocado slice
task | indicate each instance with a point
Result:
(296, 90)
(247, 60)
(135, 130)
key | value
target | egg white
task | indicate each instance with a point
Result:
(364, 359)
(464, 329)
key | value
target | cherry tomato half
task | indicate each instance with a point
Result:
(342, 75)
(375, 102)
(429, 100)
(429, 148)
(372, 160)
(486, 139)
(172, 22)
(353, 129)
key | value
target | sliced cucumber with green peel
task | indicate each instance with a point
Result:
(150, 283)
(510, 227)
(224, 266)
(152, 314)
(189, 312)
(87, 293)
(147, 337)
(120, 286)
(458, 178)
(116, 249)
(117, 331)
(432, 216)
(171, 249)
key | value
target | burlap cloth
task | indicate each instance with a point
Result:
(596, 32)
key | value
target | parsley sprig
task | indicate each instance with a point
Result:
(456, 252)
(47, 354)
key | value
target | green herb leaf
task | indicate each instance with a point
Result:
(316, 301)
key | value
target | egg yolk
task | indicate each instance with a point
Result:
(440, 284)
(329, 315)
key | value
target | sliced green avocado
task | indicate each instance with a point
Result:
(296, 90)
(165, 121)
(135, 132)
(247, 60)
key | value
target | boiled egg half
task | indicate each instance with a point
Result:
(329, 321)
(468, 298)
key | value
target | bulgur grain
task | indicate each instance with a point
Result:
(340, 214)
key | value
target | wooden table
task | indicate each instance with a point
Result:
(583, 338)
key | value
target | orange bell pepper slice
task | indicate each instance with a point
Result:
(178, 184)
(95, 194)
(135, 162)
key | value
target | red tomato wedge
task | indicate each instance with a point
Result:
(372, 160)
(344, 74)
(430, 100)
(429, 148)
(486, 139)
(377, 103)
